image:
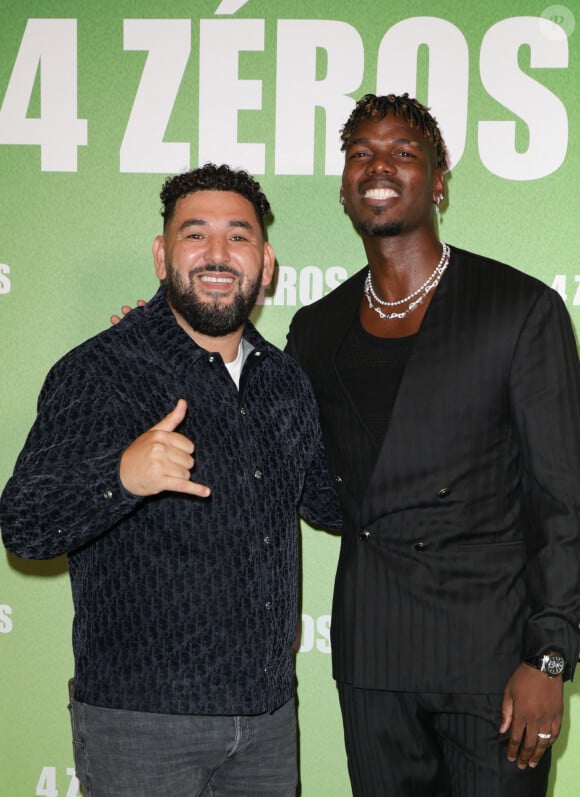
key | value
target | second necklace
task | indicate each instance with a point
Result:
(421, 292)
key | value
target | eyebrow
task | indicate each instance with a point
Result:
(365, 140)
(203, 222)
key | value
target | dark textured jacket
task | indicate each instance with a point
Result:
(463, 558)
(182, 604)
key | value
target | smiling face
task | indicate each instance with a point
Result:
(214, 259)
(389, 181)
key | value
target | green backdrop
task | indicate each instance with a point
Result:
(101, 101)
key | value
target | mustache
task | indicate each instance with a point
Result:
(217, 268)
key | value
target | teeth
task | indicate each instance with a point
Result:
(380, 193)
(221, 280)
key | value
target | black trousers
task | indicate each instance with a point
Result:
(403, 744)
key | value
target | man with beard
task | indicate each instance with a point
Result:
(448, 387)
(185, 591)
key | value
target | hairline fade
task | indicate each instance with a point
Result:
(210, 177)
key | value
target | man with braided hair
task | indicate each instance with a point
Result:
(185, 596)
(448, 386)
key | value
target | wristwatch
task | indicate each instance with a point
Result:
(553, 664)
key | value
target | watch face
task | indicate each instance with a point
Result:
(554, 665)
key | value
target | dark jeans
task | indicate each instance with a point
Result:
(134, 754)
(401, 744)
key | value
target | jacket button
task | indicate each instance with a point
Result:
(443, 492)
(338, 479)
(420, 546)
(364, 535)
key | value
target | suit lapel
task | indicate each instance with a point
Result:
(350, 311)
(416, 408)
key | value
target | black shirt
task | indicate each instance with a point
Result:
(371, 370)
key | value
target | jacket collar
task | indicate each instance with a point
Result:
(163, 336)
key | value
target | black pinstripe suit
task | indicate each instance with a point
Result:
(464, 556)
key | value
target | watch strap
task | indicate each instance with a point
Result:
(552, 663)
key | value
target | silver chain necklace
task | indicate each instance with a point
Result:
(430, 284)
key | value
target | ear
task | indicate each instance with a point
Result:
(269, 265)
(438, 183)
(159, 257)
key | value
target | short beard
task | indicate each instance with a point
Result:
(212, 318)
(385, 229)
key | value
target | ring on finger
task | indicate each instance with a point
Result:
(544, 736)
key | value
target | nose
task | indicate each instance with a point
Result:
(380, 164)
(217, 250)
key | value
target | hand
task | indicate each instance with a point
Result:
(532, 704)
(126, 309)
(161, 459)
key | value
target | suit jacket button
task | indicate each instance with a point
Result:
(443, 492)
(420, 546)
(364, 535)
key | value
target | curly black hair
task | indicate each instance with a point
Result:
(411, 110)
(214, 178)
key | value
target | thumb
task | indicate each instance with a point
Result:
(507, 712)
(175, 417)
